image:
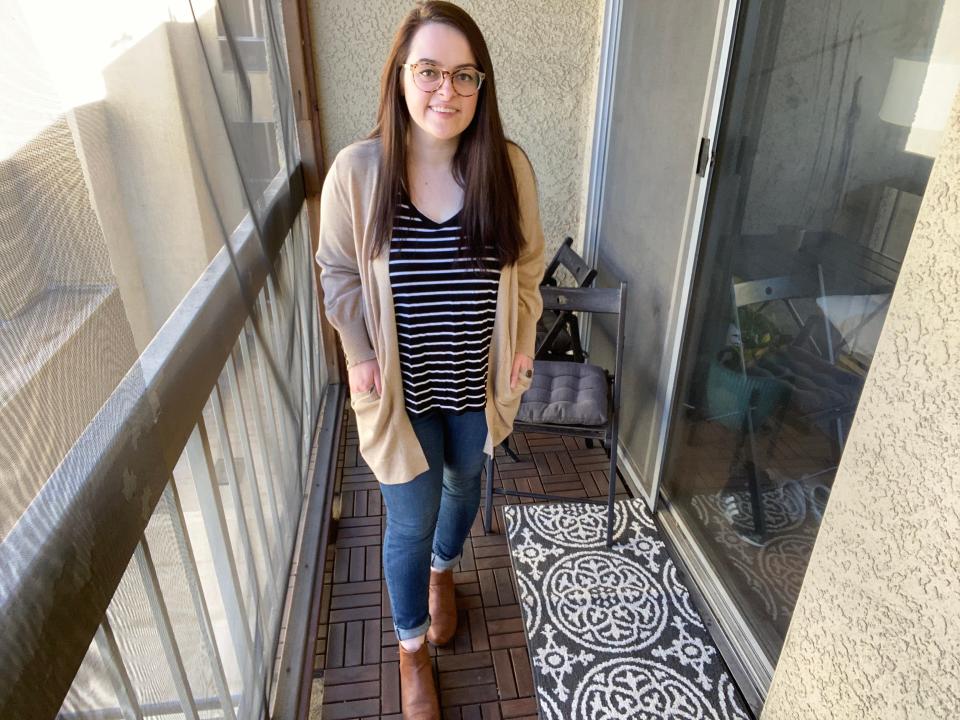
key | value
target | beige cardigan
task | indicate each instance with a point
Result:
(358, 300)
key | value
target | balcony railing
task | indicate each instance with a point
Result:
(149, 574)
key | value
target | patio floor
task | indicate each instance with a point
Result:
(484, 673)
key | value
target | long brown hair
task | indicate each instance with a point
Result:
(481, 164)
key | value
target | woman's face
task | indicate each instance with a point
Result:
(442, 114)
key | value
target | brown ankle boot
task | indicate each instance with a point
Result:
(443, 608)
(418, 694)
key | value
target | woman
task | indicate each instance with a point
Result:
(431, 252)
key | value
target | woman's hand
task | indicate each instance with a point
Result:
(364, 376)
(521, 364)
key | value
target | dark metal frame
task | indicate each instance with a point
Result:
(62, 562)
(565, 321)
(295, 679)
(593, 300)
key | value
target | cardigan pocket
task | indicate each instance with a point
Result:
(513, 394)
(364, 397)
(366, 410)
(524, 383)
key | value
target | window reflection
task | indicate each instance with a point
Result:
(831, 123)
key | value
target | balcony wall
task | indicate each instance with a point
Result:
(141, 148)
(546, 62)
(875, 631)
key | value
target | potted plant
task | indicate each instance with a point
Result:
(735, 381)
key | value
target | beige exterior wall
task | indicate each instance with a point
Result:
(876, 630)
(160, 172)
(557, 41)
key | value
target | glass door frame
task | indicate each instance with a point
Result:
(744, 657)
(710, 113)
(715, 99)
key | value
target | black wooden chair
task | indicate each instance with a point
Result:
(558, 332)
(568, 398)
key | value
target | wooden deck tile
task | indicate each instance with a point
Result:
(484, 673)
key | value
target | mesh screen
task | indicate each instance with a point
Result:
(134, 139)
(120, 179)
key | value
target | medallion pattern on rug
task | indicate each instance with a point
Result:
(613, 634)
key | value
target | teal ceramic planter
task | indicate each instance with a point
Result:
(729, 392)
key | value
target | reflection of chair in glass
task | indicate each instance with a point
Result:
(576, 399)
(746, 393)
(815, 379)
(558, 332)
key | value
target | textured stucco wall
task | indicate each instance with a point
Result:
(876, 630)
(545, 54)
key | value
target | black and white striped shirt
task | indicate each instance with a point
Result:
(445, 308)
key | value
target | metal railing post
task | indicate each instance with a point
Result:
(119, 678)
(179, 526)
(168, 641)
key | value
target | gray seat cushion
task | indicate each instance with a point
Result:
(565, 393)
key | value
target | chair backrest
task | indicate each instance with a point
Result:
(565, 323)
(590, 299)
(826, 264)
(831, 265)
(785, 287)
(567, 258)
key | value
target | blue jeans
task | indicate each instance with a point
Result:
(429, 517)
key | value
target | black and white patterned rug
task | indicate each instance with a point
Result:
(613, 634)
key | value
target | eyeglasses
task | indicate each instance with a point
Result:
(429, 78)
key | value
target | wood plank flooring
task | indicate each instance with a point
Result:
(484, 673)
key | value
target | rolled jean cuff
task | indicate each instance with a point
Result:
(439, 563)
(406, 634)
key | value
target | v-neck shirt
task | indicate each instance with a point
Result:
(358, 302)
(445, 306)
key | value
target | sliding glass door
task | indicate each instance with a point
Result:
(831, 124)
